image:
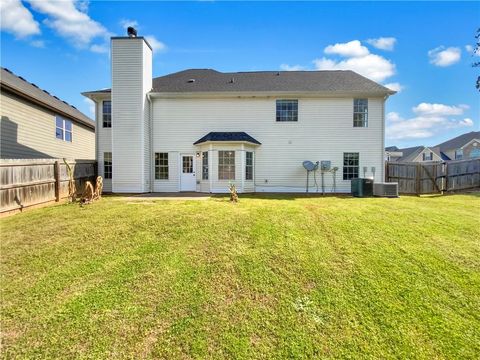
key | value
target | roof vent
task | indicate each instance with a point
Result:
(131, 31)
(34, 85)
(278, 73)
(191, 80)
(232, 80)
(8, 70)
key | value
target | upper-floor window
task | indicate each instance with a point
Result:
(107, 165)
(459, 154)
(226, 165)
(428, 156)
(287, 110)
(205, 165)
(249, 165)
(161, 166)
(360, 112)
(63, 129)
(475, 153)
(107, 114)
(350, 165)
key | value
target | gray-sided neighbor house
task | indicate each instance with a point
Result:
(201, 129)
(465, 146)
(36, 124)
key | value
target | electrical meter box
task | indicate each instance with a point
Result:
(325, 164)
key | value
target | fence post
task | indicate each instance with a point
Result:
(57, 180)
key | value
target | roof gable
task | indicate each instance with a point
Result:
(459, 141)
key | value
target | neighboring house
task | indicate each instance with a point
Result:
(413, 154)
(36, 124)
(199, 130)
(466, 146)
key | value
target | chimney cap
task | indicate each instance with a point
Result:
(131, 31)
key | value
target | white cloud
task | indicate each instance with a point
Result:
(393, 116)
(357, 58)
(428, 109)
(372, 66)
(68, 20)
(16, 19)
(350, 49)
(286, 67)
(100, 49)
(155, 44)
(471, 50)
(125, 23)
(443, 57)
(91, 107)
(395, 86)
(38, 43)
(383, 43)
(432, 119)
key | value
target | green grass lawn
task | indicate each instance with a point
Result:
(270, 277)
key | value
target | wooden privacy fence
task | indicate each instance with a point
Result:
(26, 183)
(434, 177)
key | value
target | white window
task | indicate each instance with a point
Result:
(161, 166)
(360, 112)
(350, 165)
(287, 110)
(107, 165)
(249, 165)
(63, 129)
(459, 154)
(107, 114)
(205, 165)
(226, 165)
(427, 156)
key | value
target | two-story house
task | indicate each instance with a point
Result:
(36, 124)
(465, 146)
(200, 129)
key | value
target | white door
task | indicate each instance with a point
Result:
(187, 176)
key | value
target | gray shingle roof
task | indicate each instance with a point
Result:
(459, 141)
(227, 136)
(19, 85)
(208, 80)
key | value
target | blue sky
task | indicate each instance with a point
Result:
(423, 49)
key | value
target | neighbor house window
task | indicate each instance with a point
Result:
(107, 114)
(287, 110)
(360, 112)
(350, 166)
(205, 165)
(428, 156)
(226, 165)
(249, 165)
(63, 129)
(475, 153)
(459, 154)
(107, 165)
(161, 166)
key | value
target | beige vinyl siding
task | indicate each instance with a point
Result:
(419, 157)
(130, 83)
(324, 131)
(28, 131)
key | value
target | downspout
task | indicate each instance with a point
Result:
(383, 139)
(150, 141)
